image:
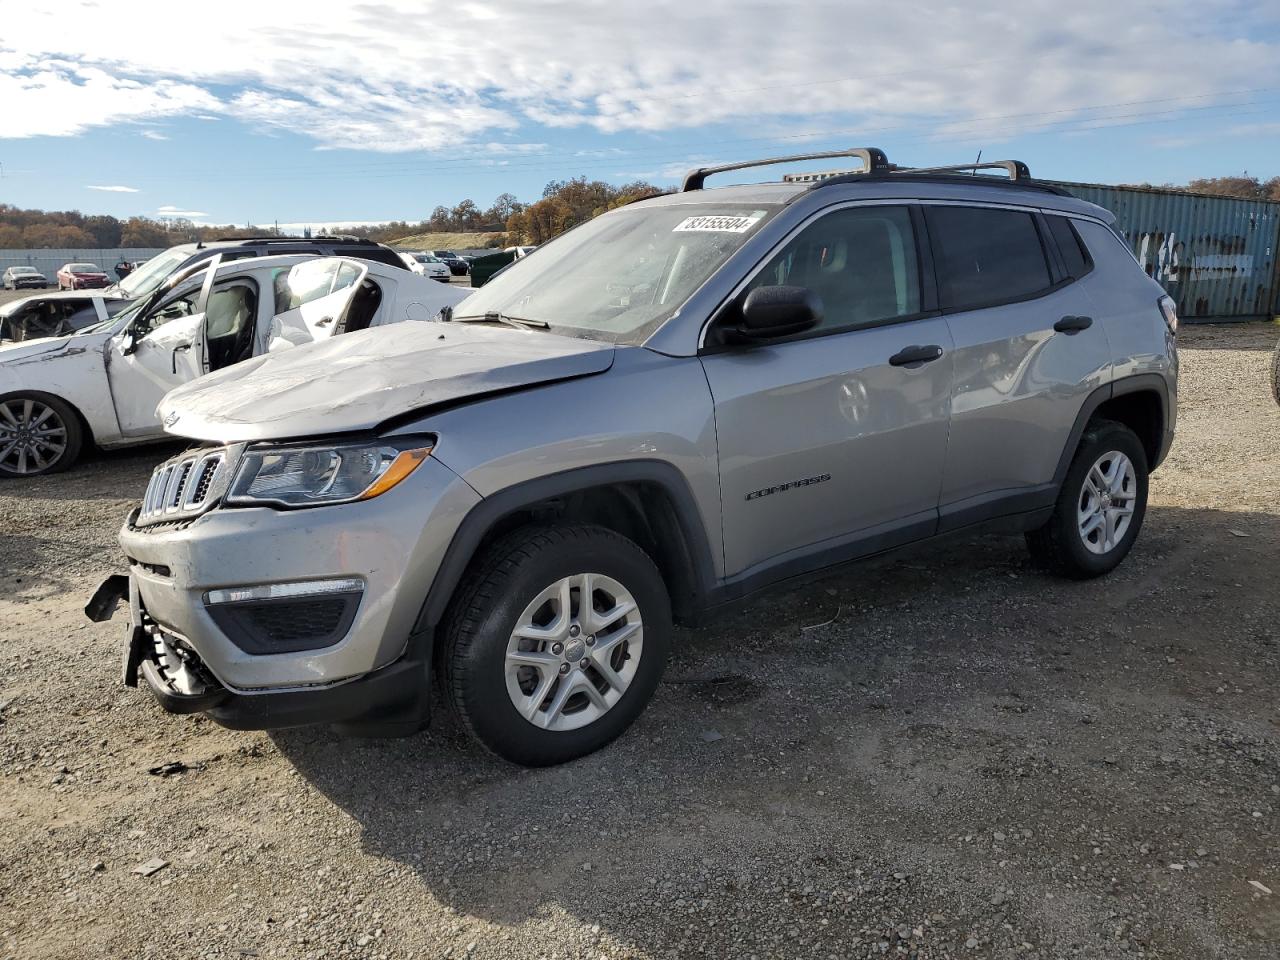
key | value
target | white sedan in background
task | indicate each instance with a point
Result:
(425, 265)
(102, 383)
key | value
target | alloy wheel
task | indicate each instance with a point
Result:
(32, 436)
(1106, 505)
(574, 652)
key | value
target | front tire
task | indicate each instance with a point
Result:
(1100, 508)
(39, 434)
(556, 642)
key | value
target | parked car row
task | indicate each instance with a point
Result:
(675, 405)
(424, 264)
(24, 278)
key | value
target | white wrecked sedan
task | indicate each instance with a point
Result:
(101, 384)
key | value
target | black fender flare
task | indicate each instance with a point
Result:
(488, 512)
(1136, 383)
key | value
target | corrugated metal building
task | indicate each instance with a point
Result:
(47, 261)
(1215, 255)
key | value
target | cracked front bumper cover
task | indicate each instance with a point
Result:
(392, 701)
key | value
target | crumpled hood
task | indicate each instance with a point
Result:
(358, 380)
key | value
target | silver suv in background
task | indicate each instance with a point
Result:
(661, 412)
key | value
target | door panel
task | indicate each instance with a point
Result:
(312, 301)
(1018, 387)
(1019, 383)
(167, 357)
(823, 439)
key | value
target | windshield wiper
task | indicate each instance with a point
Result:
(520, 323)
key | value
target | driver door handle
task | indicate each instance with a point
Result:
(916, 356)
(1070, 325)
(173, 357)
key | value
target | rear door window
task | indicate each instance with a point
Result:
(986, 256)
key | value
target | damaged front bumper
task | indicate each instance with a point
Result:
(268, 618)
(392, 701)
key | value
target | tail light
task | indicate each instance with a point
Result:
(1170, 311)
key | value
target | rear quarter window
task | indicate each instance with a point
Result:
(985, 256)
(1074, 255)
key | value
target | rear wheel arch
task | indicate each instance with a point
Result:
(648, 502)
(1140, 402)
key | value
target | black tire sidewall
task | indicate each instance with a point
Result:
(70, 421)
(479, 664)
(1104, 439)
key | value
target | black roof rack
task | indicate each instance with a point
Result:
(1019, 176)
(276, 238)
(876, 166)
(873, 159)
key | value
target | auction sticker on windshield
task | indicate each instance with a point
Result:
(715, 224)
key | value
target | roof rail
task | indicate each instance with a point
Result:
(1016, 169)
(873, 160)
(1019, 176)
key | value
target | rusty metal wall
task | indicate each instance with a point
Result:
(1215, 255)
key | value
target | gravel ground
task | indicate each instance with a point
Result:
(939, 754)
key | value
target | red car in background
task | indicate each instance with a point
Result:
(81, 276)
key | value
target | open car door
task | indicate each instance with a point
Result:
(312, 300)
(161, 348)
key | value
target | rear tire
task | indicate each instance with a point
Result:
(39, 434)
(1100, 508)
(531, 671)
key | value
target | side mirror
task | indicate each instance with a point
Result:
(770, 312)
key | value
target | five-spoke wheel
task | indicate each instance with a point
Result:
(574, 652)
(1100, 506)
(556, 642)
(1107, 501)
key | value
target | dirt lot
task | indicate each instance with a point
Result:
(937, 754)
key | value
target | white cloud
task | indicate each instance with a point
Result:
(366, 76)
(115, 188)
(154, 135)
(177, 213)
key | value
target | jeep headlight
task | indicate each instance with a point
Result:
(325, 474)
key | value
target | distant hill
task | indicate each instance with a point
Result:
(449, 241)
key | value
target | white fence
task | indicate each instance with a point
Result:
(48, 261)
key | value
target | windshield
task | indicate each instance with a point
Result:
(153, 273)
(621, 276)
(85, 268)
(21, 271)
(423, 258)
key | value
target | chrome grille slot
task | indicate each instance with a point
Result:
(184, 487)
(204, 474)
(180, 475)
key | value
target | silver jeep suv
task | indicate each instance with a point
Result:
(663, 411)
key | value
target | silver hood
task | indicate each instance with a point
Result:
(359, 380)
